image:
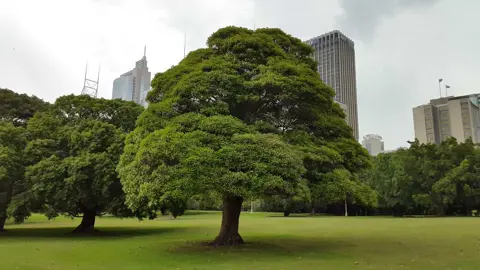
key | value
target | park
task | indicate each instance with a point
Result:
(91, 183)
(272, 242)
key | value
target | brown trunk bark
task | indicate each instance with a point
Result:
(229, 235)
(3, 208)
(88, 222)
(346, 208)
(440, 211)
(2, 223)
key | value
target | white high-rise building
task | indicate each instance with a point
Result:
(374, 144)
(134, 85)
(446, 117)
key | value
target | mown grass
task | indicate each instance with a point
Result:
(273, 242)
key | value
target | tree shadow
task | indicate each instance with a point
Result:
(103, 232)
(278, 216)
(299, 215)
(267, 246)
(201, 213)
(296, 248)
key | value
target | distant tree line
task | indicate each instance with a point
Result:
(428, 179)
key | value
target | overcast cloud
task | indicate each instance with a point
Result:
(402, 46)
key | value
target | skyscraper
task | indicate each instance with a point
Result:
(335, 54)
(134, 85)
(374, 144)
(457, 117)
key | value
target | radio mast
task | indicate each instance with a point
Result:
(90, 87)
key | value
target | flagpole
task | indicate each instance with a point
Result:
(185, 44)
(440, 86)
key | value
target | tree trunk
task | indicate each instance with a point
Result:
(286, 213)
(440, 211)
(229, 235)
(4, 206)
(88, 222)
(346, 208)
(2, 223)
(313, 211)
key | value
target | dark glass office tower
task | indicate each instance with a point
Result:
(335, 54)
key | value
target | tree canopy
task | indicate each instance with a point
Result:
(12, 143)
(18, 108)
(248, 116)
(15, 110)
(75, 149)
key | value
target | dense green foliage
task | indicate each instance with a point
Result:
(73, 155)
(15, 111)
(428, 179)
(247, 117)
(12, 143)
(18, 108)
(216, 153)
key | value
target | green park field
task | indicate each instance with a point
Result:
(272, 242)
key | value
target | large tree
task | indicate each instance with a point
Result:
(236, 118)
(15, 110)
(76, 147)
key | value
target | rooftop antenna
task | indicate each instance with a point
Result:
(145, 51)
(185, 45)
(90, 87)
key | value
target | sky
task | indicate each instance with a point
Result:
(402, 46)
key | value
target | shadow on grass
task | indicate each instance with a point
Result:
(103, 232)
(266, 247)
(11, 223)
(201, 213)
(295, 216)
(300, 215)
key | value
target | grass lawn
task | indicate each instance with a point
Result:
(273, 242)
